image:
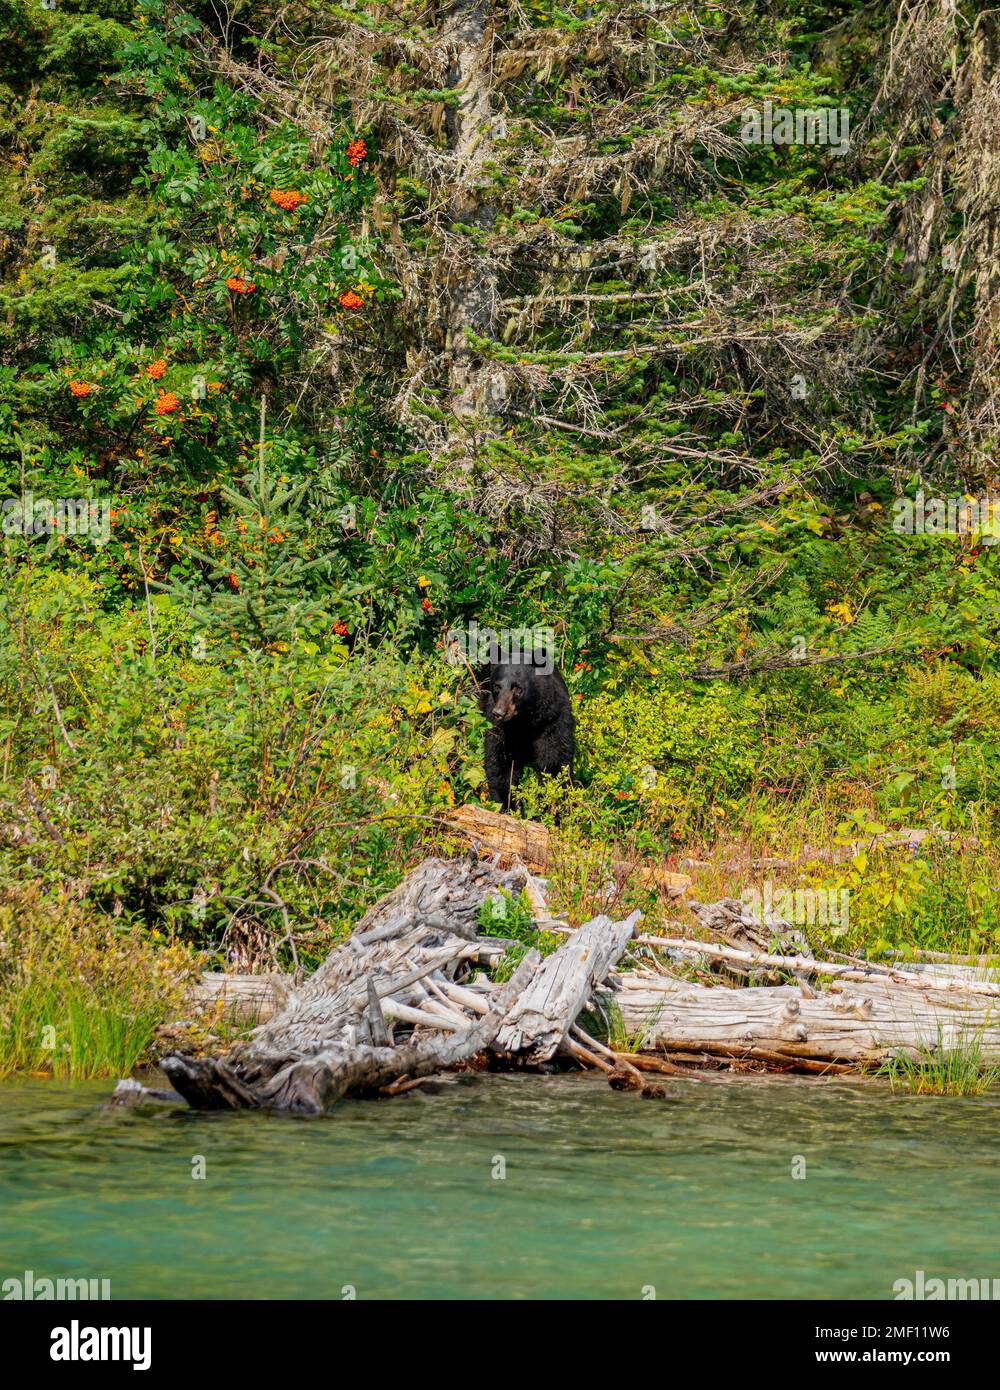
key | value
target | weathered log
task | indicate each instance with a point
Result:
(544, 1013)
(848, 1023)
(964, 981)
(242, 998)
(527, 842)
(427, 924)
(309, 1085)
(402, 967)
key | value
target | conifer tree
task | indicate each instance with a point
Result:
(257, 577)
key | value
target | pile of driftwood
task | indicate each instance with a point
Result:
(862, 1017)
(409, 994)
(415, 990)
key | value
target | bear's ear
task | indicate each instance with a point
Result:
(484, 688)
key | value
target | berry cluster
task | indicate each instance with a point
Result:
(289, 200)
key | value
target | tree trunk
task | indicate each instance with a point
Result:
(545, 1012)
(858, 1023)
(309, 1085)
(476, 387)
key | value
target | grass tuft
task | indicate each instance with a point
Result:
(958, 1070)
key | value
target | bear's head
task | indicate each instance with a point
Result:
(508, 692)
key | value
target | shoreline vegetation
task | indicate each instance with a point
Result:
(328, 335)
(450, 970)
(112, 1006)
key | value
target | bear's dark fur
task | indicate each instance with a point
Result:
(532, 725)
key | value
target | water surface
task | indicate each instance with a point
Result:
(604, 1194)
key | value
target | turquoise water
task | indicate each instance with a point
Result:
(605, 1194)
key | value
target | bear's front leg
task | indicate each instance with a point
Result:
(500, 771)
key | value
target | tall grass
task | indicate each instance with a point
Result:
(73, 1036)
(617, 1036)
(960, 1070)
(79, 996)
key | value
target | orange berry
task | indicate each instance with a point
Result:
(288, 200)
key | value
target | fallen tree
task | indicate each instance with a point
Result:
(859, 1023)
(543, 1014)
(257, 1079)
(397, 1000)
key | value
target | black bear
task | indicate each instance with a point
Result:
(532, 724)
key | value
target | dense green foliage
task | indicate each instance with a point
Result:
(231, 269)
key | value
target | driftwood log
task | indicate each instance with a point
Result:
(962, 979)
(311, 1084)
(859, 1023)
(396, 1001)
(543, 1014)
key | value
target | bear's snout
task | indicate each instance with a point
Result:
(503, 709)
